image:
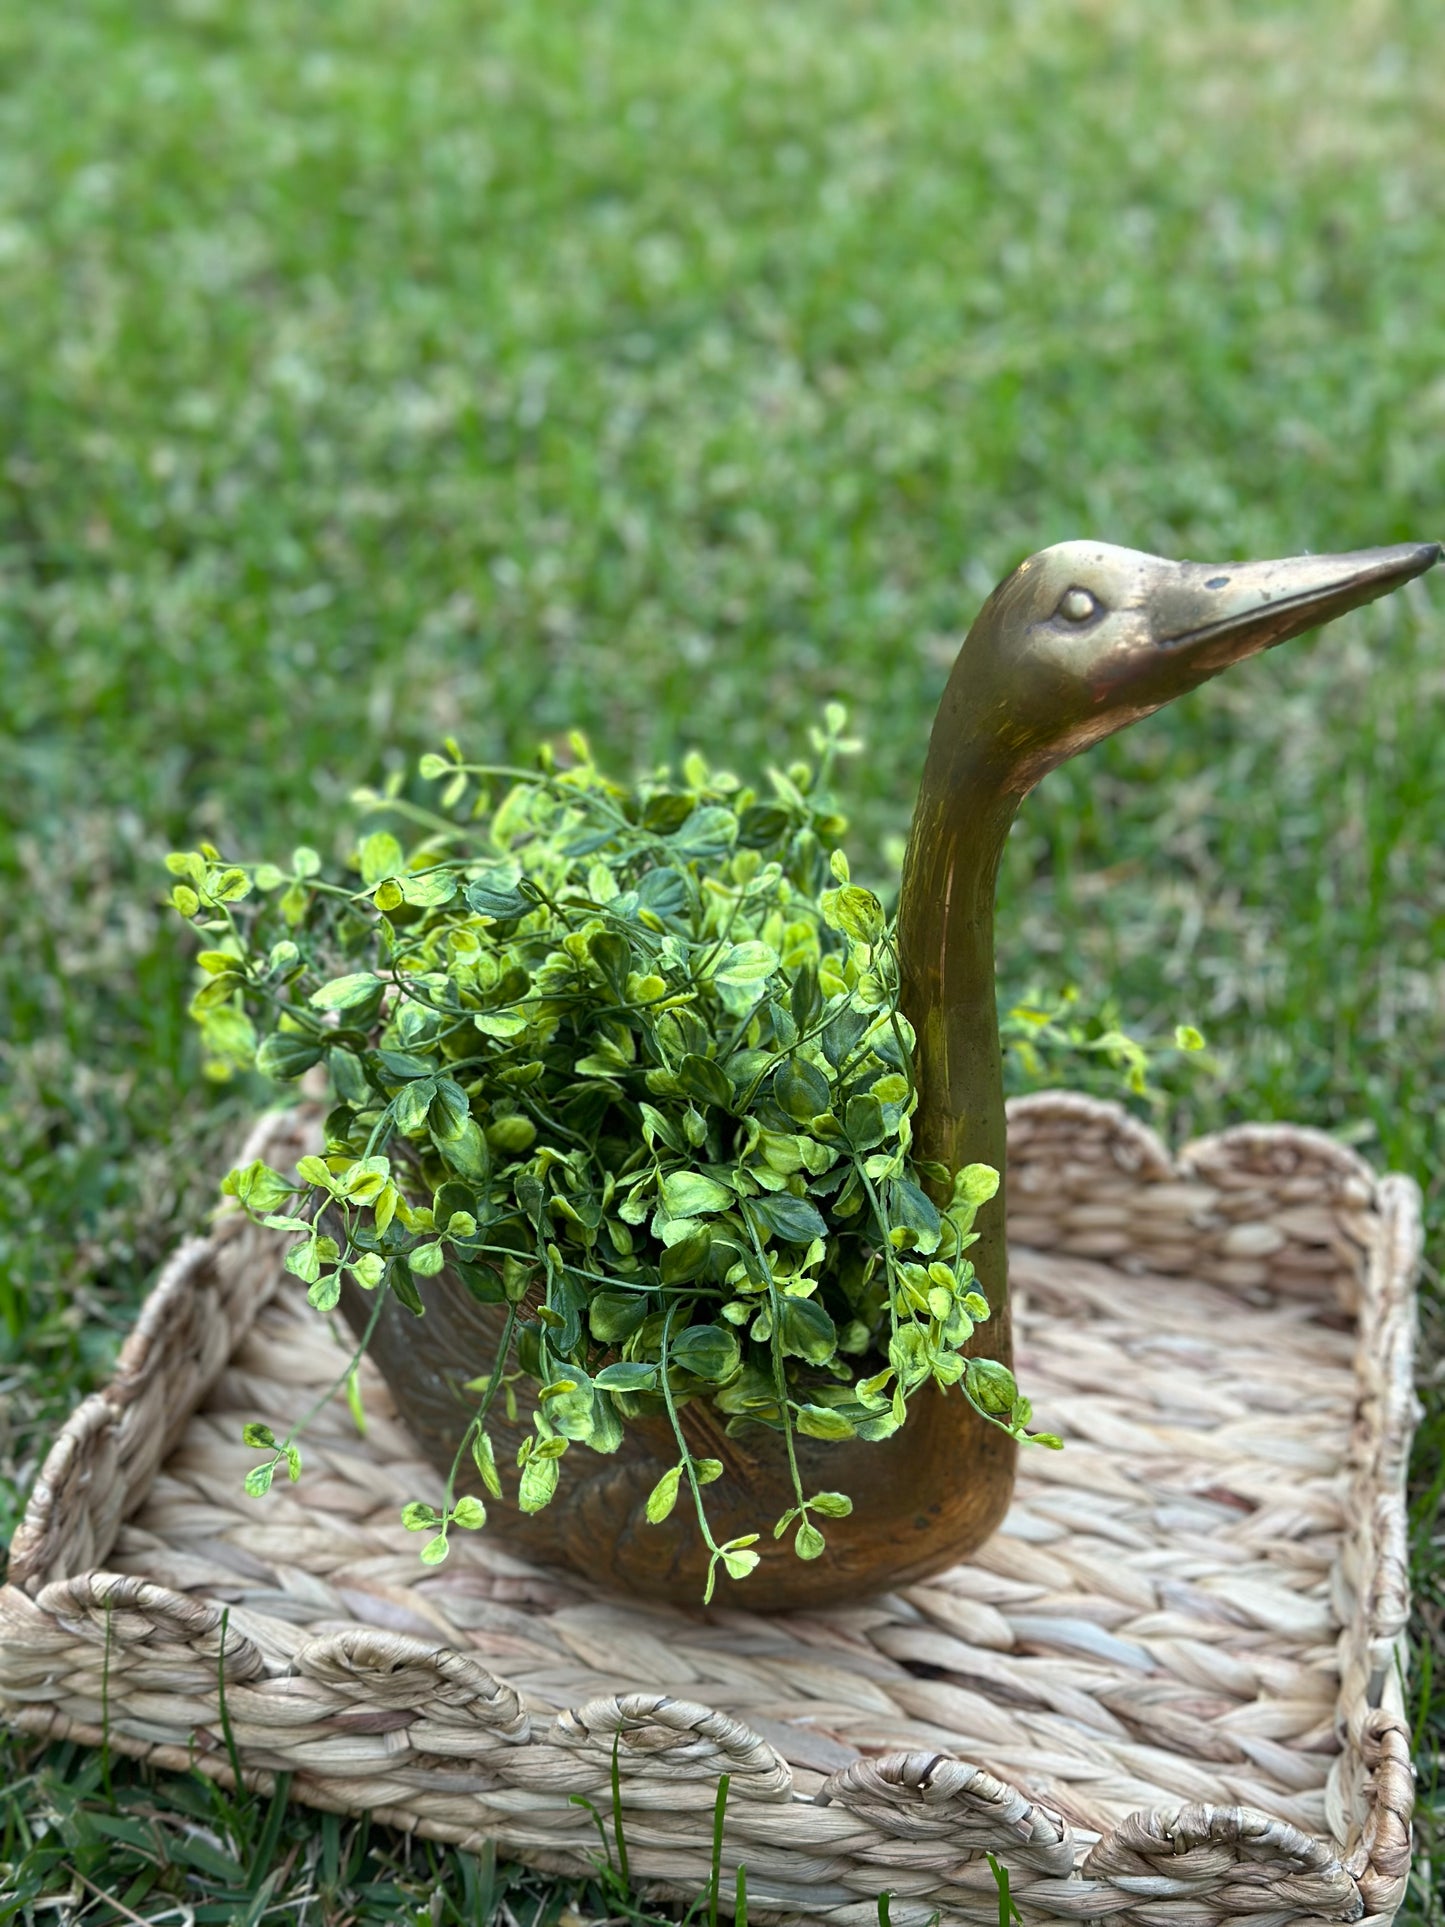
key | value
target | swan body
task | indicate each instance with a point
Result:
(1081, 640)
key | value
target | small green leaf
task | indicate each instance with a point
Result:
(688, 1258)
(539, 1480)
(663, 1496)
(379, 855)
(627, 1375)
(656, 1127)
(365, 1180)
(303, 1261)
(738, 1560)
(687, 1194)
(708, 833)
(808, 1542)
(612, 954)
(703, 1078)
(347, 993)
(746, 963)
(326, 1292)
(494, 893)
(435, 1550)
(615, 1315)
(822, 1422)
(470, 1512)
(856, 912)
(832, 1505)
(1187, 1037)
(500, 1023)
(512, 1135)
(417, 1517)
(910, 1206)
(449, 1110)
(258, 1481)
(706, 1351)
(806, 1331)
(285, 1055)
(257, 1187)
(863, 1123)
(429, 889)
(230, 886)
(466, 1151)
(975, 1184)
(353, 1402)
(485, 1460)
(795, 1219)
(257, 1435)
(990, 1385)
(801, 1089)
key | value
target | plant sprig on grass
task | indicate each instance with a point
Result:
(630, 1061)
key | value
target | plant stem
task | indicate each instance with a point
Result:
(479, 1417)
(677, 1432)
(382, 1293)
(780, 1374)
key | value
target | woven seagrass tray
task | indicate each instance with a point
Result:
(1166, 1694)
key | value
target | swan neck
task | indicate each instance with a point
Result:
(946, 948)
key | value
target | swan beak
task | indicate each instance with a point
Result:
(1206, 618)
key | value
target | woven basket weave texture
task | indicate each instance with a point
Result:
(1166, 1694)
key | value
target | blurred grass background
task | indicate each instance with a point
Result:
(386, 368)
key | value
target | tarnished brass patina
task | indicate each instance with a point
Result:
(1078, 642)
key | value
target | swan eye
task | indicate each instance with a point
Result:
(1077, 606)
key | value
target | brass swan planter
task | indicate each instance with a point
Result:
(1081, 640)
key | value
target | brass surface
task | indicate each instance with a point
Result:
(906, 1520)
(1080, 641)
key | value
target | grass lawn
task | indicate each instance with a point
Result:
(379, 369)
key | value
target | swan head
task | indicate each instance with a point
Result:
(1085, 638)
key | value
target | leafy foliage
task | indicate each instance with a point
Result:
(629, 1062)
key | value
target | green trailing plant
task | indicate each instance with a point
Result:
(627, 1061)
(1042, 1027)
